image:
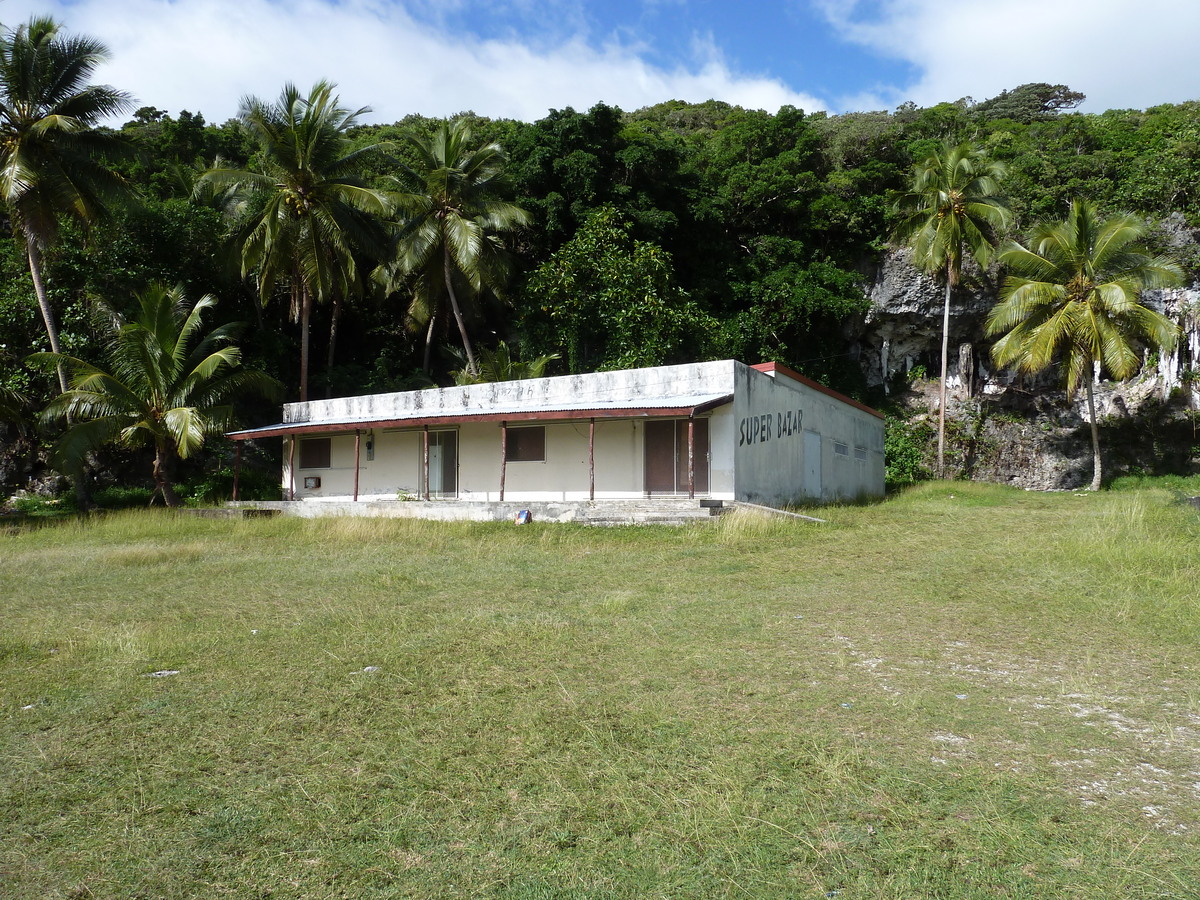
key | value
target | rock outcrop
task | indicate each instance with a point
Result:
(1019, 430)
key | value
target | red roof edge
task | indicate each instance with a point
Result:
(770, 368)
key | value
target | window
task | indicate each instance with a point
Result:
(841, 449)
(860, 453)
(314, 453)
(527, 444)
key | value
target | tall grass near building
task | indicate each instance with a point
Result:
(965, 692)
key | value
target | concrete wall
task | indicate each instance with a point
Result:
(395, 471)
(787, 438)
(669, 385)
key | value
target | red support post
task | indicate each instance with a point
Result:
(292, 467)
(425, 464)
(503, 456)
(357, 449)
(592, 458)
(237, 468)
(691, 458)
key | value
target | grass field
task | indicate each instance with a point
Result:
(965, 692)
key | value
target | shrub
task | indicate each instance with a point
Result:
(905, 449)
(121, 496)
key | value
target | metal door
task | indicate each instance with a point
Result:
(667, 456)
(812, 465)
(660, 456)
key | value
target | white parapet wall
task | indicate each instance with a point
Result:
(657, 386)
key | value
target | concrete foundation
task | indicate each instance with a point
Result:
(604, 512)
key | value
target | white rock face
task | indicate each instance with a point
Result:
(1041, 440)
(903, 329)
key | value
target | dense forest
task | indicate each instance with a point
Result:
(607, 238)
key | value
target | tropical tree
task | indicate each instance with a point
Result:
(606, 300)
(1073, 295)
(500, 364)
(452, 198)
(169, 384)
(951, 207)
(306, 211)
(52, 161)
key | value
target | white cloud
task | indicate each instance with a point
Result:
(204, 55)
(1121, 53)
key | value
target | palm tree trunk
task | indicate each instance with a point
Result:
(39, 288)
(429, 340)
(305, 317)
(472, 366)
(1096, 470)
(941, 456)
(83, 499)
(164, 465)
(334, 315)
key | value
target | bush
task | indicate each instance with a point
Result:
(217, 487)
(122, 497)
(42, 507)
(905, 447)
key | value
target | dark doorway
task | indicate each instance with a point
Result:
(667, 456)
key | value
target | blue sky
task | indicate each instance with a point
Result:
(785, 39)
(520, 58)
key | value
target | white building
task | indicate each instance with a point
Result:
(716, 430)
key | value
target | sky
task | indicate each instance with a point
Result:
(521, 58)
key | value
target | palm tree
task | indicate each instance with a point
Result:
(951, 206)
(502, 365)
(455, 220)
(308, 211)
(51, 159)
(14, 409)
(168, 384)
(1073, 296)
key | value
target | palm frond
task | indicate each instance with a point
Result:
(1074, 295)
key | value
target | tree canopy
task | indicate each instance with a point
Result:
(677, 231)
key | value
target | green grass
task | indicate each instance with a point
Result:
(965, 692)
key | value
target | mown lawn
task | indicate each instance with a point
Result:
(965, 692)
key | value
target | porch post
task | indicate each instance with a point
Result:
(691, 457)
(503, 456)
(237, 468)
(292, 467)
(357, 447)
(592, 458)
(425, 463)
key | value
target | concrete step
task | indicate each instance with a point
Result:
(653, 512)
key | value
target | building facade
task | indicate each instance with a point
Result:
(719, 430)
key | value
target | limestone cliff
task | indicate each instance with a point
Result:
(1023, 430)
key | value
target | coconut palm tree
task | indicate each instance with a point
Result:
(951, 207)
(169, 384)
(14, 409)
(52, 162)
(1073, 297)
(451, 198)
(307, 212)
(502, 364)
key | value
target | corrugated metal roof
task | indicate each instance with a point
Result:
(666, 407)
